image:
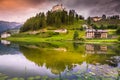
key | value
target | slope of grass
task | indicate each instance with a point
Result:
(107, 22)
(23, 37)
(38, 38)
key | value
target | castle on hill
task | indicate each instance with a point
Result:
(58, 7)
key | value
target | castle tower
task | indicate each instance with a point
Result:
(58, 7)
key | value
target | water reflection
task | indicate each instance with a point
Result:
(58, 60)
(98, 49)
(5, 42)
(8, 49)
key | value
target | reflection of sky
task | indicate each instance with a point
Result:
(8, 49)
(13, 63)
(18, 65)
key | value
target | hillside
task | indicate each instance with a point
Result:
(52, 20)
(4, 25)
(108, 22)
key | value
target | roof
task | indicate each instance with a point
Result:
(96, 17)
(93, 30)
(90, 30)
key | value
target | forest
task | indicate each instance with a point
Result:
(55, 19)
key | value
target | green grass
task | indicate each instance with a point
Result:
(112, 32)
(25, 37)
(77, 24)
(37, 38)
(101, 40)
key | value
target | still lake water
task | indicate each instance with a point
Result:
(59, 60)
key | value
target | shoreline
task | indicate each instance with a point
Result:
(38, 40)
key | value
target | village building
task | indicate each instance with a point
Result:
(58, 7)
(96, 18)
(85, 26)
(5, 35)
(61, 31)
(92, 33)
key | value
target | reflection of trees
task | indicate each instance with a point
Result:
(54, 60)
(58, 60)
(117, 49)
(99, 58)
(40, 45)
(76, 45)
(79, 48)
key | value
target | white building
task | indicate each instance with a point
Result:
(96, 18)
(5, 35)
(61, 31)
(85, 26)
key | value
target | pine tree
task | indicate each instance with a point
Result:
(89, 21)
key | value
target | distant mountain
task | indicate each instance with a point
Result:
(4, 26)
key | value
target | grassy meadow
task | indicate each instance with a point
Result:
(50, 37)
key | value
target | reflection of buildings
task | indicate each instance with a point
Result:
(103, 48)
(92, 48)
(61, 49)
(5, 42)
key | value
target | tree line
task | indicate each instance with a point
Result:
(104, 17)
(106, 22)
(54, 19)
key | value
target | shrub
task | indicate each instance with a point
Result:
(112, 26)
(81, 39)
(118, 31)
(47, 34)
(75, 36)
(118, 38)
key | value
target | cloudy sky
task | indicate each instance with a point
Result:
(20, 10)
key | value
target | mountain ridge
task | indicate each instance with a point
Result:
(5, 25)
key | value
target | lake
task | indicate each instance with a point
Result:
(59, 61)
